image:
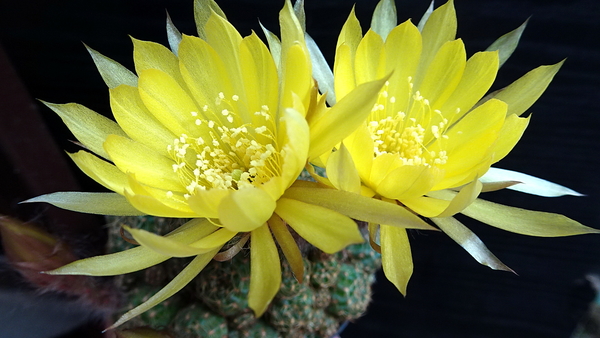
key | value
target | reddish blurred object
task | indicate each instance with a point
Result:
(31, 251)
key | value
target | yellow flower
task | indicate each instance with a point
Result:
(431, 133)
(215, 130)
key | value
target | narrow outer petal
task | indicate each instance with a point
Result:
(265, 270)
(326, 229)
(396, 257)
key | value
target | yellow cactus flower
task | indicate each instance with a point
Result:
(214, 130)
(432, 134)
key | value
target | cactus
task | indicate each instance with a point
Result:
(335, 288)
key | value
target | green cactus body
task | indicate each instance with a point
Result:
(335, 288)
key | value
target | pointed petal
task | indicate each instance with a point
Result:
(470, 242)
(101, 203)
(173, 35)
(344, 80)
(89, 127)
(101, 171)
(152, 55)
(328, 230)
(426, 16)
(463, 199)
(525, 222)
(225, 39)
(203, 9)
(167, 100)
(384, 18)
(341, 171)
(521, 94)
(265, 270)
(443, 73)
(112, 72)
(351, 34)
(139, 124)
(343, 118)
(368, 64)
(126, 261)
(288, 246)
(507, 43)
(511, 132)
(529, 184)
(205, 203)
(480, 72)
(439, 29)
(408, 181)
(180, 281)
(204, 83)
(360, 145)
(149, 167)
(173, 248)
(274, 45)
(359, 207)
(321, 70)
(157, 202)
(246, 209)
(396, 258)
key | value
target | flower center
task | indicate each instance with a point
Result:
(229, 154)
(407, 134)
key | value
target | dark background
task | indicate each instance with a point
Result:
(450, 295)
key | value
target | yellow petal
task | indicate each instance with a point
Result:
(344, 80)
(152, 55)
(521, 94)
(100, 203)
(204, 83)
(511, 132)
(173, 248)
(126, 261)
(112, 72)
(328, 230)
(463, 199)
(167, 101)
(150, 168)
(295, 135)
(358, 207)
(396, 258)
(297, 76)
(259, 75)
(368, 64)
(444, 73)
(265, 270)
(439, 28)
(101, 171)
(89, 127)
(246, 209)
(288, 246)
(341, 171)
(470, 142)
(360, 145)
(137, 121)
(426, 206)
(343, 118)
(203, 9)
(226, 40)
(382, 166)
(403, 52)
(157, 202)
(181, 280)
(480, 72)
(470, 242)
(351, 33)
(205, 203)
(408, 181)
(526, 222)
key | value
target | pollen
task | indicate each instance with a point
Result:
(407, 133)
(223, 156)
